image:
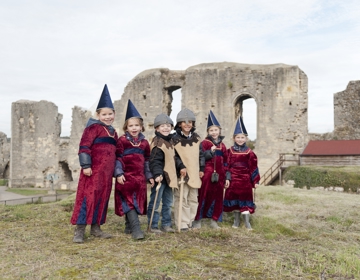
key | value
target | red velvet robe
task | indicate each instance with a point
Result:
(93, 192)
(244, 175)
(133, 194)
(211, 195)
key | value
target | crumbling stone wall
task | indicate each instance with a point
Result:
(35, 128)
(346, 112)
(80, 116)
(280, 92)
(4, 156)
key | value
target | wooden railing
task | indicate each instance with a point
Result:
(275, 170)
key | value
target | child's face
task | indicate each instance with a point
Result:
(134, 127)
(106, 115)
(240, 139)
(164, 129)
(214, 132)
(186, 127)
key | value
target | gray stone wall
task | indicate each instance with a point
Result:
(4, 156)
(35, 128)
(280, 92)
(347, 113)
(80, 117)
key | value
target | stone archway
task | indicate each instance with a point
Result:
(280, 92)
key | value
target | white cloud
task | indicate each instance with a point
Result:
(64, 51)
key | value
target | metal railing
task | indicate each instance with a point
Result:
(275, 170)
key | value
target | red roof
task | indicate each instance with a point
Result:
(332, 148)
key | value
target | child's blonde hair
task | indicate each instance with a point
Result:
(247, 138)
(141, 122)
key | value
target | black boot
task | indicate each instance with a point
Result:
(136, 232)
(79, 234)
(127, 229)
(97, 232)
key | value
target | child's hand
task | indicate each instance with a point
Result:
(152, 182)
(183, 172)
(201, 174)
(227, 184)
(256, 186)
(121, 179)
(213, 148)
(158, 179)
(87, 171)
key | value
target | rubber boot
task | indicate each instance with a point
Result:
(97, 232)
(79, 234)
(196, 224)
(136, 232)
(214, 224)
(236, 220)
(246, 216)
(127, 229)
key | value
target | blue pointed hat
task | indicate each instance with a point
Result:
(131, 111)
(212, 120)
(105, 100)
(240, 127)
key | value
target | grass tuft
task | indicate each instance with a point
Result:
(297, 234)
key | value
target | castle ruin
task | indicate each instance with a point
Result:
(38, 154)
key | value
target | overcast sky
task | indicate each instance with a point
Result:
(65, 51)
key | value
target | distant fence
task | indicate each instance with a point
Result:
(35, 199)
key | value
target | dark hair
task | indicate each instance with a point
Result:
(178, 124)
(140, 121)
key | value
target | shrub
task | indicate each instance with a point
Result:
(324, 176)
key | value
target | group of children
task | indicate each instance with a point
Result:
(202, 178)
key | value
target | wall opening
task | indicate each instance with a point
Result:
(66, 174)
(246, 107)
(6, 174)
(175, 105)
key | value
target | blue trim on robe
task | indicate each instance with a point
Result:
(108, 140)
(231, 203)
(254, 174)
(133, 151)
(81, 220)
(209, 212)
(84, 147)
(136, 204)
(219, 153)
(124, 205)
(96, 212)
(102, 221)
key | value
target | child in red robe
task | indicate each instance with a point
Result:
(211, 193)
(132, 172)
(97, 155)
(242, 164)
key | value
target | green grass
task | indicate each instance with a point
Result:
(297, 234)
(3, 182)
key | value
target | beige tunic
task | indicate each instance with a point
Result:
(169, 166)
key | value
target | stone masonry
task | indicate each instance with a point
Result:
(280, 92)
(35, 140)
(4, 155)
(346, 112)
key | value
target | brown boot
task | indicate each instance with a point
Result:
(97, 232)
(79, 234)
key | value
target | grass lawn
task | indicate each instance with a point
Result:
(298, 234)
